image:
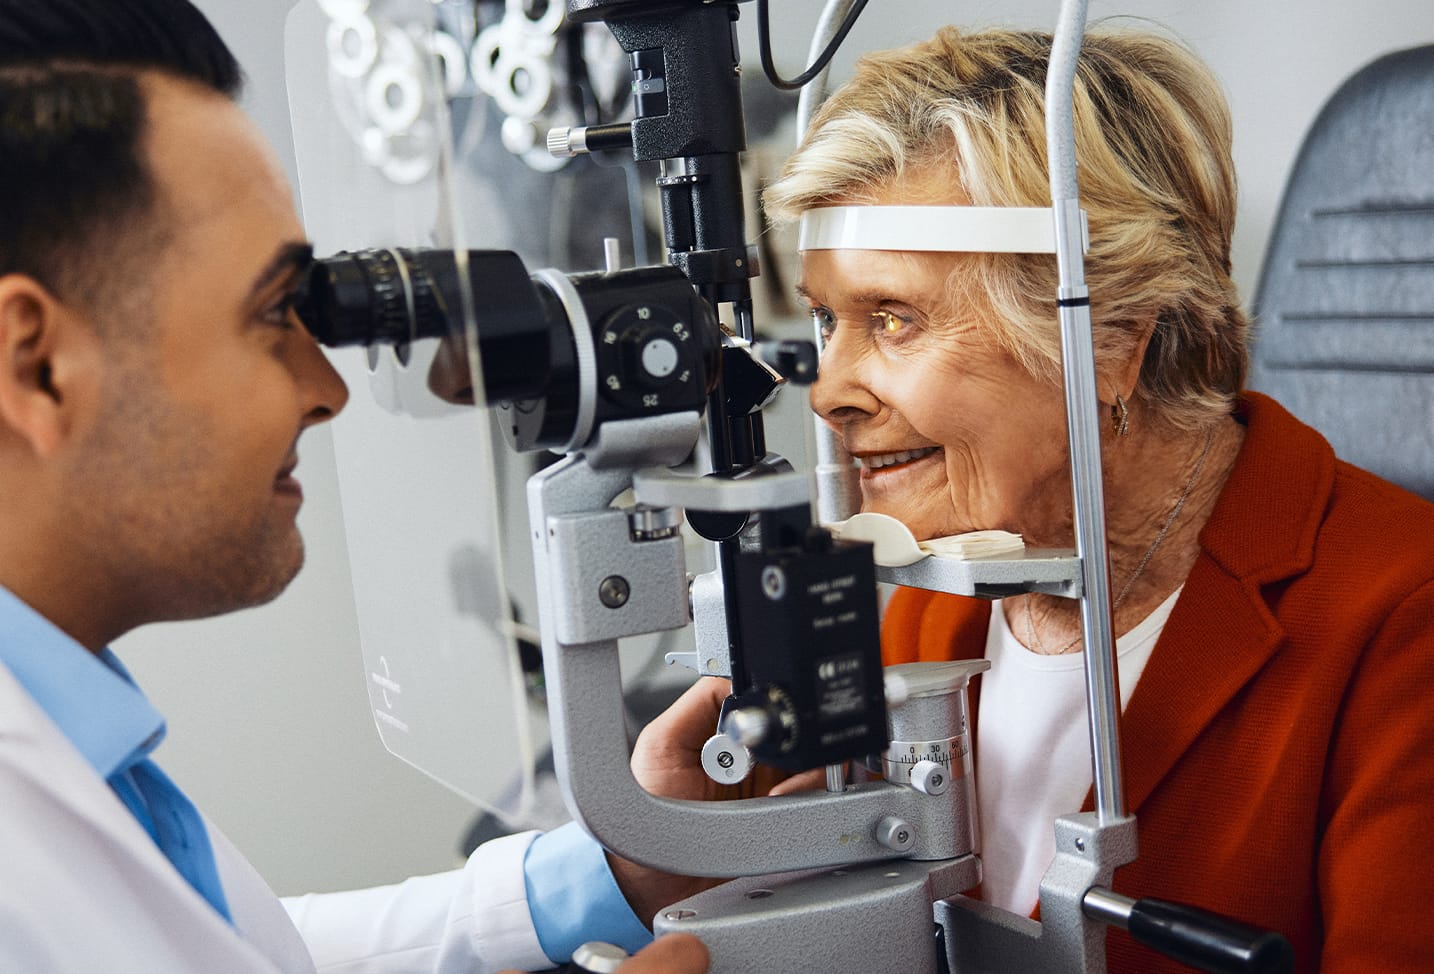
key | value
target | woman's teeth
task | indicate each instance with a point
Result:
(891, 459)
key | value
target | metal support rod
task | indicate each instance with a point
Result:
(815, 91)
(1108, 906)
(1082, 417)
(838, 495)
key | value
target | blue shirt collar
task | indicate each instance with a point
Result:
(90, 698)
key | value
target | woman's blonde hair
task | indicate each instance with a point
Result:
(1156, 180)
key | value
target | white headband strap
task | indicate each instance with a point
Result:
(974, 229)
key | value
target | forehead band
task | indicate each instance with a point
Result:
(971, 229)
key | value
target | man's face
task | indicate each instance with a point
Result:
(189, 465)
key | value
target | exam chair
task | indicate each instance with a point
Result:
(1345, 304)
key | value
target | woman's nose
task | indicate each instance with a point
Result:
(840, 393)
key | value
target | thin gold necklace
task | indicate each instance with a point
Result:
(1034, 642)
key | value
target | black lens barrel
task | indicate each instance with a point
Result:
(396, 296)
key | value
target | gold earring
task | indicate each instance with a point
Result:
(1120, 416)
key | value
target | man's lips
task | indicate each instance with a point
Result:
(286, 483)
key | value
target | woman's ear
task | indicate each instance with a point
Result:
(48, 364)
(1122, 375)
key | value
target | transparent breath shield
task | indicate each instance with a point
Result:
(417, 473)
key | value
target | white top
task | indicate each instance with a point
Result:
(84, 888)
(1033, 760)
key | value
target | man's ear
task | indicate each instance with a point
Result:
(48, 359)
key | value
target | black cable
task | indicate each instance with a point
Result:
(764, 43)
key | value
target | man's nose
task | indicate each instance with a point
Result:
(325, 393)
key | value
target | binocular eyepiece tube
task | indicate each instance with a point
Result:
(614, 345)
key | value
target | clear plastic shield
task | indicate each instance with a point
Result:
(417, 473)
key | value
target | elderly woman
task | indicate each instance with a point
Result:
(1273, 606)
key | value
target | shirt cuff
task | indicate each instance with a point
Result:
(573, 897)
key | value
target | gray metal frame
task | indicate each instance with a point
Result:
(599, 580)
(580, 543)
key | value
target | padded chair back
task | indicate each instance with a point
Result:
(1345, 305)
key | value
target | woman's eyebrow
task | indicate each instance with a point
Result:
(857, 297)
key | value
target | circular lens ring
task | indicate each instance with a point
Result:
(585, 354)
(393, 117)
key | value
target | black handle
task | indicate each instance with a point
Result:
(1208, 941)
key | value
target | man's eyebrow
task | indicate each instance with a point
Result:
(291, 256)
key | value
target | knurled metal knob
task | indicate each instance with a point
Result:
(725, 761)
(597, 957)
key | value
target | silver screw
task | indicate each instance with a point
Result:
(679, 914)
(1080, 845)
(614, 591)
(774, 583)
(896, 834)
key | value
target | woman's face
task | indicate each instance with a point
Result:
(952, 433)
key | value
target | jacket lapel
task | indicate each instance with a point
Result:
(1221, 632)
(1216, 639)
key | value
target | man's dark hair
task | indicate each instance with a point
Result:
(75, 191)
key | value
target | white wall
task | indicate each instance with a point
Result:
(269, 722)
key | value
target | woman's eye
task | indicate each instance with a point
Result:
(888, 322)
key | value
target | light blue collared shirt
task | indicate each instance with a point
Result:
(96, 705)
(572, 895)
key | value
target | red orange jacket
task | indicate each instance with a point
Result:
(1278, 751)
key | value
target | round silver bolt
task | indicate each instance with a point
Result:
(614, 591)
(929, 778)
(896, 834)
(747, 726)
(725, 761)
(679, 914)
(653, 523)
(774, 583)
(1080, 845)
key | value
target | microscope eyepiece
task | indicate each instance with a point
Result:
(649, 343)
(396, 296)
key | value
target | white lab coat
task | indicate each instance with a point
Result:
(84, 888)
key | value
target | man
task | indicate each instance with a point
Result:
(154, 383)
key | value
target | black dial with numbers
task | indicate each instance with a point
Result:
(648, 357)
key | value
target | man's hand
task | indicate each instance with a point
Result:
(676, 953)
(667, 761)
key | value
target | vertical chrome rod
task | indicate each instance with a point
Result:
(838, 495)
(1083, 417)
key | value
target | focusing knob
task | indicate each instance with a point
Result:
(648, 357)
(597, 957)
(930, 777)
(725, 760)
(655, 356)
